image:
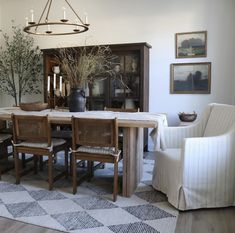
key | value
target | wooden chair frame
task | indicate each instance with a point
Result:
(41, 136)
(91, 157)
(4, 154)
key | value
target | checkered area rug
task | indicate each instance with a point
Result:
(91, 210)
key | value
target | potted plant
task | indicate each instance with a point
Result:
(81, 67)
(20, 66)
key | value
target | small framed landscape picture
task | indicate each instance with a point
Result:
(191, 78)
(191, 44)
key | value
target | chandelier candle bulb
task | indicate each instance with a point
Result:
(86, 18)
(26, 21)
(48, 29)
(32, 15)
(60, 84)
(64, 12)
(76, 27)
(48, 83)
(54, 82)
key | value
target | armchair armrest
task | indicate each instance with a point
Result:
(208, 163)
(174, 135)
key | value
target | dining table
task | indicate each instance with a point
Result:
(132, 125)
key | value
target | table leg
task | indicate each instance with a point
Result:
(132, 159)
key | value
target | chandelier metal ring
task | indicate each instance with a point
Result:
(78, 28)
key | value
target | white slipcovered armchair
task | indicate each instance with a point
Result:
(197, 170)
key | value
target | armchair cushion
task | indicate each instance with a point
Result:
(99, 150)
(43, 145)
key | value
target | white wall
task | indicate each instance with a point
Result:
(234, 86)
(233, 77)
(155, 22)
(0, 23)
(0, 17)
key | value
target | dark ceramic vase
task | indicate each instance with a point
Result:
(77, 100)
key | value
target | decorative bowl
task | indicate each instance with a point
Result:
(35, 106)
(187, 117)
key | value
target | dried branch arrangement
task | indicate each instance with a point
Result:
(83, 65)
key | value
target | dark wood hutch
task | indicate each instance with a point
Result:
(132, 68)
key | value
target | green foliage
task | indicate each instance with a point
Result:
(20, 65)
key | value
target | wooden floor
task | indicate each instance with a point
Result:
(220, 220)
(196, 221)
(12, 226)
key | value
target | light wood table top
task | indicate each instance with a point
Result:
(136, 119)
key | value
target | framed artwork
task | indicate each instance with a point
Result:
(191, 44)
(191, 78)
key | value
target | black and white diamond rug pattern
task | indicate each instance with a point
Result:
(91, 210)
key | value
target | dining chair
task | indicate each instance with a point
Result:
(32, 135)
(5, 142)
(95, 140)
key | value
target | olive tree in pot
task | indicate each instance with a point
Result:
(20, 65)
(81, 67)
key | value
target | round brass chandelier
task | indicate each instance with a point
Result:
(63, 26)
